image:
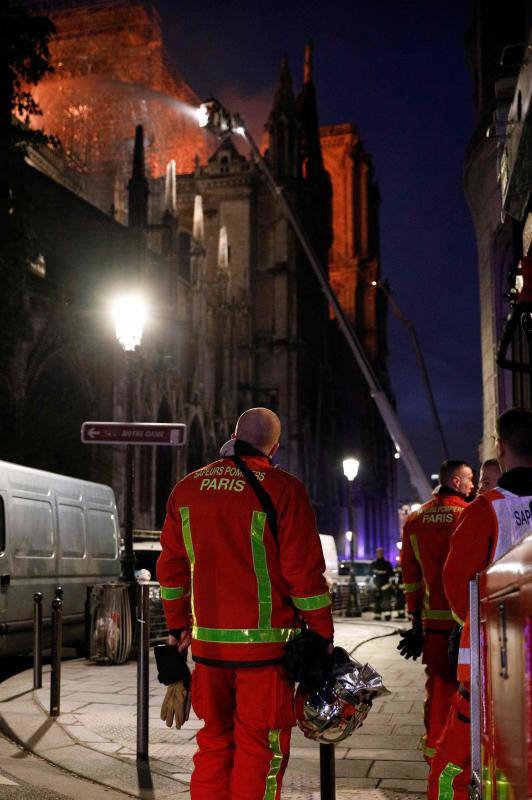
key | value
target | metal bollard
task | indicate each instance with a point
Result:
(143, 670)
(327, 772)
(37, 640)
(59, 592)
(57, 641)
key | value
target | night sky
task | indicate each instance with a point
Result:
(397, 69)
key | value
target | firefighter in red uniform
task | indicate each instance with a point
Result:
(487, 529)
(237, 592)
(426, 539)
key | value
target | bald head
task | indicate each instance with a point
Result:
(259, 427)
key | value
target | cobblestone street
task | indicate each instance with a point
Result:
(96, 733)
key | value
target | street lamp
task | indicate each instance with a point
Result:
(129, 313)
(351, 466)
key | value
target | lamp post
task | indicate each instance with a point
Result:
(351, 467)
(129, 313)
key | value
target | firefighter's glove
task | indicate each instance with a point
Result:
(308, 660)
(453, 645)
(176, 705)
(411, 644)
(171, 665)
(173, 672)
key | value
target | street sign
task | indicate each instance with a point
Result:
(173, 434)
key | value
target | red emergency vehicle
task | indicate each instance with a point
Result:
(505, 671)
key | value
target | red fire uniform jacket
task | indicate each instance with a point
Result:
(223, 573)
(426, 540)
(490, 526)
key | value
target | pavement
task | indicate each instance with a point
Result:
(95, 735)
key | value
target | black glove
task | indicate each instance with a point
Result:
(453, 645)
(411, 644)
(171, 666)
(307, 661)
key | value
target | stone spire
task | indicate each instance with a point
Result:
(310, 155)
(308, 67)
(170, 188)
(138, 190)
(197, 224)
(282, 126)
(307, 111)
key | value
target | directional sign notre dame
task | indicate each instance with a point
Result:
(152, 433)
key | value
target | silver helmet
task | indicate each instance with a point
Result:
(331, 713)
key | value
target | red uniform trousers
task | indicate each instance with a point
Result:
(450, 770)
(440, 687)
(245, 742)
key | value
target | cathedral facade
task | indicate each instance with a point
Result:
(235, 315)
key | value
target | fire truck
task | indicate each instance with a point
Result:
(501, 670)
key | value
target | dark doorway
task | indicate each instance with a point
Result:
(163, 467)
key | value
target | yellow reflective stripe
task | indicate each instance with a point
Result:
(427, 751)
(457, 619)
(189, 547)
(173, 592)
(274, 741)
(260, 565)
(487, 790)
(411, 587)
(445, 783)
(241, 635)
(504, 787)
(428, 613)
(312, 603)
(415, 548)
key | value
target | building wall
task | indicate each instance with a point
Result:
(499, 242)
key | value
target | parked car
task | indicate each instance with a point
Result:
(338, 582)
(364, 580)
(54, 531)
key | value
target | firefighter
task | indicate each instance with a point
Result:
(490, 472)
(241, 564)
(426, 539)
(487, 529)
(382, 574)
(399, 593)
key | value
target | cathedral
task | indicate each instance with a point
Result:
(137, 197)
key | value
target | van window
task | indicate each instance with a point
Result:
(2, 526)
(71, 532)
(32, 528)
(102, 536)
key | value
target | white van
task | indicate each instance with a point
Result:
(54, 531)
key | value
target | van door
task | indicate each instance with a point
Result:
(5, 562)
(31, 542)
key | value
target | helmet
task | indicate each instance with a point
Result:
(332, 712)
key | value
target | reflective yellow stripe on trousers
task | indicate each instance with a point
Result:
(274, 740)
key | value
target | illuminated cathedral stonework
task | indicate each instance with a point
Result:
(237, 316)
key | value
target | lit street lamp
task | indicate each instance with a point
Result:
(350, 467)
(129, 314)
